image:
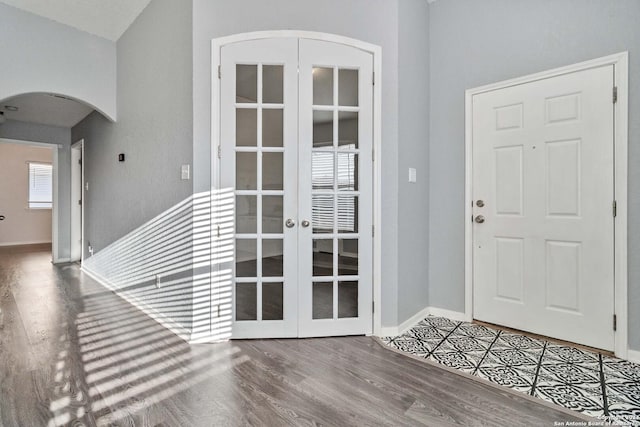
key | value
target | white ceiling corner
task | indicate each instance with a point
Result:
(108, 19)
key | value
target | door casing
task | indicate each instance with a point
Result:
(376, 52)
(620, 64)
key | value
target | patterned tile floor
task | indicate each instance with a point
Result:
(596, 385)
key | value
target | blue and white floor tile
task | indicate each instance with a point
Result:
(590, 383)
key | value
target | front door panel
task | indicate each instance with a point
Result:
(543, 168)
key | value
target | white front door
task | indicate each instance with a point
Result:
(296, 150)
(543, 233)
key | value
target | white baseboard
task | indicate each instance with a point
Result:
(392, 331)
(38, 242)
(633, 356)
(388, 331)
(449, 314)
(165, 321)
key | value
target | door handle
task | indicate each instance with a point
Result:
(305, 223)
(1, 217)
(479, 219)
(290, 223)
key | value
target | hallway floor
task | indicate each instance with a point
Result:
(580, 380)
(73, 353)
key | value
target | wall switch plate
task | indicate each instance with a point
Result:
(185, 172)
(412, 174)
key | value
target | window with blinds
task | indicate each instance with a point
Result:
(40, 186)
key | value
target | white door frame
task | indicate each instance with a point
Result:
(79, 145)
(376, 52)
(54, 208)
(620, 63)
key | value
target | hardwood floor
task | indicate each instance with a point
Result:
(72, 353)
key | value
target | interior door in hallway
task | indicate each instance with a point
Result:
(543, 188)
(296, 150)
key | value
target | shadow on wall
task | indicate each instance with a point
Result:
(176, 267)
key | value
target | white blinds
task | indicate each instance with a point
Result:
(40, 186)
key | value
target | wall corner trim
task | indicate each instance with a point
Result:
(392, 331)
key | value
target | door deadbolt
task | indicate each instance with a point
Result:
(290, 223)
(1, 217)
(479, 219)
(480, 203)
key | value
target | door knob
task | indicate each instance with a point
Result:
(480, 203)
(290, 223)
(1, 217)
(479, 219)
(305, 223)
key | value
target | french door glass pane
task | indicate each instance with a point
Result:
(348, 88)
(246, 214)
(348, 129)
(272, 121)
(323, 300)
(246, 256)
(322, 213)
(322, 129)
(347, 299)
(246, 297)
(322, 170)
(272, 84)
(246, 171)
(272, 218)
(348, 257)
(347, 214)
(347, 172)
(272, 173)
(272, 256)
(323, 257)
(272, 299)
(246, 83)
(322, 86)
(246, 127)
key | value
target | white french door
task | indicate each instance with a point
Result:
(543, 188)
(296, 150)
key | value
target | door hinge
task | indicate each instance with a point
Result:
(373, 306)
(219, 152)
(219, 71)
(80, 161)
(615, 94)
(373, 78)
(615, 208)
(373, 231)
(615, 322)
(80, 202)
(373, 155)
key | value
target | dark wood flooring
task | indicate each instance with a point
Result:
(73, 353)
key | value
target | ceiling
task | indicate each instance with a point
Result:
(105, 18)
(45, 109)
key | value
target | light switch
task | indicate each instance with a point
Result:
(412, 174)
(186, 172)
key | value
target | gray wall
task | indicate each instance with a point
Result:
(479, 42)
(154, 128)
(413, 151)
(12, 129)
(40, 55)
(373, 21)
